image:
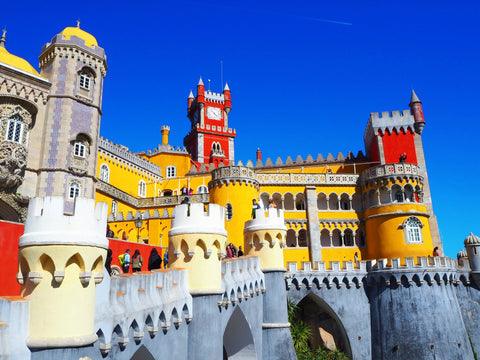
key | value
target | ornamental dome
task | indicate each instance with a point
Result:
(76, 31)
(472, 240)
(462, 254)
(14, 61)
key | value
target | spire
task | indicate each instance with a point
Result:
(226, 86)
(200, 82)
(414, 98)
(78, 23)
(2, 40)
(190, 96)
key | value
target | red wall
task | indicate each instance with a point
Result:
(10, 234)
(396, 144)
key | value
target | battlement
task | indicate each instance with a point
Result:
(192, 219)
(214, 97)
(387, 122)
(127, 304)
(217, 129)
(47, 224)
(272, 218)
(242, 279)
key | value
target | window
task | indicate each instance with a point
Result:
(412, 228)
(104, 173)
(15, 129)
(228, 212)
(74, 190)
(171, 171)
(85, 81)
(142, 189)
(79, 150)
(114, 209)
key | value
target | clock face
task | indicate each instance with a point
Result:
(214, 113)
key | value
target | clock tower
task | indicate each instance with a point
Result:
(210, 140)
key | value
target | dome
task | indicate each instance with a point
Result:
(462, 254)
(15, 61)
(472, 240)
(76, 31)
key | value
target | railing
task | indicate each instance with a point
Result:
(307, 179)
(388, 170)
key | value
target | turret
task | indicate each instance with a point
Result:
(197, 241)
(190, 101)
(61, 259)
(200, 92)
(227, 98)
(417, 112)
(472, 245)
(259, 155)
(165, 131)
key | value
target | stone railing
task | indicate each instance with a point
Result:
(148, 202)
(228, 174)
(389, 170)
(307, 179)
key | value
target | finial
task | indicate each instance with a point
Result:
(414, 98)
(209, 84)
(78, 23)
(190, 96)
(2, 40)
(226, 86)
(200, 82)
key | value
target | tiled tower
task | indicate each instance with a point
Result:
(65, 156)
(210, 140)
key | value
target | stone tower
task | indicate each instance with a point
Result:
(210, 140)
(234, 187)
(388, 136)
(265, 237)
(61, 259)
(65, 154)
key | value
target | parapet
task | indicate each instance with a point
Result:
(395, 121)
(193, 219)
(47, 224)
(270, 219)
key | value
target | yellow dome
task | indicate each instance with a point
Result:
(76, 31)
(15, 61)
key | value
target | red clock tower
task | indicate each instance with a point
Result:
(210, 140)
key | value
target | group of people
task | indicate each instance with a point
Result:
(232, 251)
(186, 191)
(136, 261)
(256, 206)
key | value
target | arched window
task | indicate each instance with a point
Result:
(302, 238)
(357, 202)
(142, 189)
(15, 129)
(228, 212)
(344, 202)
(291, 238)
(322, 202)
(300, 201)
(264, 197)
(397, 193)
(171, 171)
(325, 238)
(333, 201)
(412, 228)
(384, 195)
(360, 238)
(85, 79)
(336, 237)
(348, 237)
(104, 173)
(74, 190)
(277, 199)
(202, 189)
(288, 201)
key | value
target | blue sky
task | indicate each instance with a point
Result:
(304, 76)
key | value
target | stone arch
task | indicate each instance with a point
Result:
(264, 197)
(409, 193)
(302, 238)
(384, 195)
(291, 238)
(277, 199)
(348, 237)
(325, 238)
(320, 317)
(202, 246)
(238, 342)
(372, 197)
(345, 201)
(336, 237)
(322, 203)
(397, 193)
(333, 201)
(357, 202)
(300, 201)
(288, 201)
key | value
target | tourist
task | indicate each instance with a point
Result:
(154, 260)
(165, 259)
(255, 206)
(271, 204)
(137, 261)
(240, 252)
(125, 261)
(436, 252)
(108, 261)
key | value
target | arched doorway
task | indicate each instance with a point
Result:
(327, 329)
(238, 341)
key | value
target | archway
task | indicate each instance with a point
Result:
(238, 341)
(327, 329)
